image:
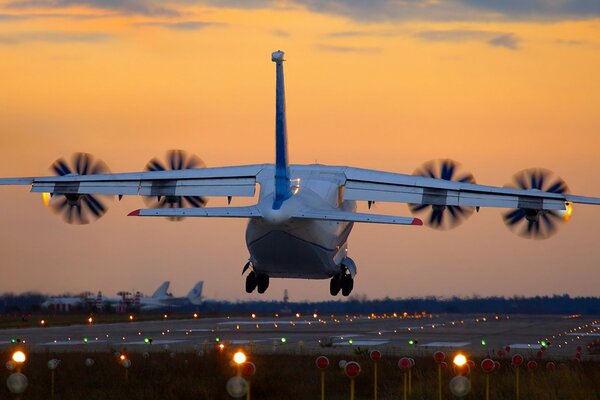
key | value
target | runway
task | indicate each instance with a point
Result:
(475, 334)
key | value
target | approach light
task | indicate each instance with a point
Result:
(195, 315)
(19, 357)
(131, 317)
(253, 316)
(239, 357)
(90, 320)
(43, 322)
(459, 360)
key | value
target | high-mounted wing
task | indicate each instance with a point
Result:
(371, 185)
(78, 196)
(536, 201)
(224, 181)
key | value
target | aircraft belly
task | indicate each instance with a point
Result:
(302, 249)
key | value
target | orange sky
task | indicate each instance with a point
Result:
(495, 90)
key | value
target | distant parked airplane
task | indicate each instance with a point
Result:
(300, 226)
(160, 299)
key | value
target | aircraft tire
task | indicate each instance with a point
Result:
(263, 283)
(335, 285)
(347, 285)
(251, 282)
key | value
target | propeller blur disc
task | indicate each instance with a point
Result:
(175, 160)
(437, 216)
(78, 209)
(531, 223)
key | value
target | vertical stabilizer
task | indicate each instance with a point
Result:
(161, 291)
(195, 295)
(282, 178)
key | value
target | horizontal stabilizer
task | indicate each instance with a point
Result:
(223, 212)
(357, 217)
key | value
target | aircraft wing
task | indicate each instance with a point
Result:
(372, 185)
(222, 181)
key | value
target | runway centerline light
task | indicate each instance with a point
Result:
(459, 360)
(19, 357)
(239, 358)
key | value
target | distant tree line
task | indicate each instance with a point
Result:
(556, 304)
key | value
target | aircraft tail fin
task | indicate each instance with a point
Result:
(282, 178)
(195, 295)
(162, 290)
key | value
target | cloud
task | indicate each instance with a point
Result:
(507, 40)
(354, 34)
(280, 33)
(496, 39)
(362, 10)
(349, 49)
(27, 16)
(52, 37)
(181, 26)
(151, 8)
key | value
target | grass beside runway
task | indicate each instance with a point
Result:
(203, 375)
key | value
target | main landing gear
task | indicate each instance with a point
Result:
(341, 281)
(256, 281)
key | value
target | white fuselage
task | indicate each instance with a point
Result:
(284, 247)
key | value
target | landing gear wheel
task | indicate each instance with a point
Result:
(251, 282)
(263, 283)
(347, 284)
(335, 285)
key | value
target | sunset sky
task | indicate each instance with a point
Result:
(498, 85)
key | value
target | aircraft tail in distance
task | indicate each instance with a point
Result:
(161, 292)
(195, 295)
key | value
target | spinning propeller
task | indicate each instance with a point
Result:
(442, 216)
(78, 208)
(531, 223)
(175, 160)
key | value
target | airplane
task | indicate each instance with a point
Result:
(160, 299)
(300, 225)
